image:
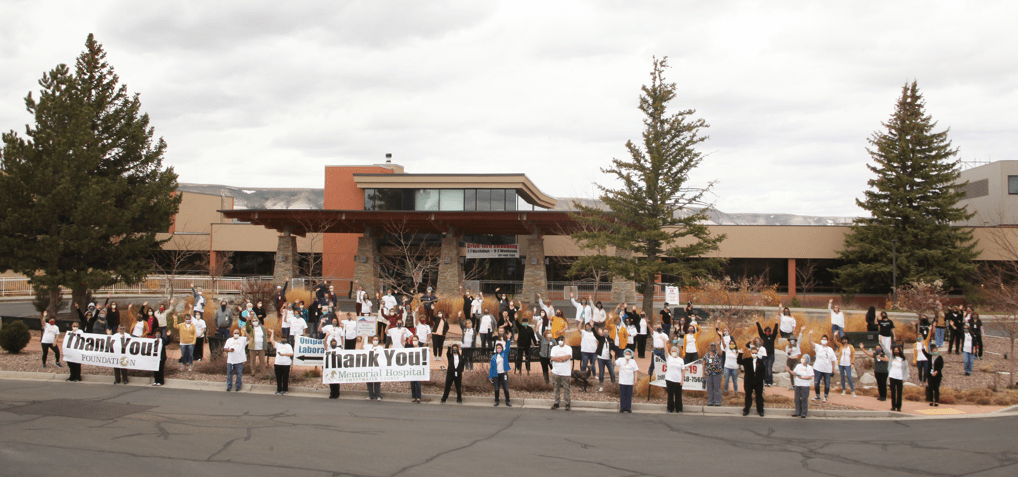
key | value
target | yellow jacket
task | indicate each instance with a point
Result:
(558, 326)
(186, 332)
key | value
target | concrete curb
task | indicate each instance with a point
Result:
(587, 406)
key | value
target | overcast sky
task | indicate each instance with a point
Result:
(264, 94)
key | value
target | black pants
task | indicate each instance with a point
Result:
(641, 345)
(933, 389)
(436, 343)
(374, 390)
(520, 354)
(282, 377)
(955, 341)
(199, 349)
(690, 357)
(159, 376)
(334, 391)
(502, 381)
(545, 364)
(119, 375)
(350, 344)
(750, 389)
(674, 396)
(896, 390)
(882, 385)
(45, 350)
(977, 342)
(75, 371)
(458, 381)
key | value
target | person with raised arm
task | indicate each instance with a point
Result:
(837, 319)
(584, 313)
(898, 374)
(730, 360)
(802, 377)
(846, 360)
(768, 336)
(50, 336)
(281, 364)
(689, 340)
(824, 363)
(712, 372)
(673, 381)
(752, 379)
(186, 333)
(934, 373)
(626, 368)
(793, 355)
(498, 370)
(786, 323)
(880, 362)
(454, 373)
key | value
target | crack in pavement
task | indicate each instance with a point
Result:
(602, 464)
(477, 441)
(229, 443)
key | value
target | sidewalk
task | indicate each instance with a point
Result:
(921, 408)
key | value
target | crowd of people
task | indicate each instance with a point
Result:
(609, 342)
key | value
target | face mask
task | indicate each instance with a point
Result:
(375, 342)
(731, 348)
(113, 307)
(726, 333)
(675, 354)
(823, 342)
(236, 335)
(560, 342)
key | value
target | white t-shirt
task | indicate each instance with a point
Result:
(297, 326)
(259, 337)
(919, 347)
(397, 335)
(588, 342)
(846, 357)
(732, 359)
(824, 358)
(690, 342)
(600, 315)
(966, 347)
(606, 349)
(895, 371)
(564, 368)
(793, 352)
(659, 340)
(239, 347)
(199, 328)
(485, 324)
(361, 296)
(643, 326)
(328, 329)
(631, 331)
(476, 305)
(674, 371)
(803, 375)
(161, 317)
(388, 302)
(500, 367)
(366, 307)
(422, 332)
(139, 329)
(283, 347)
(287, 317)
(837, 318)
(468, 337)
(787, 324)
(627, 371)
(49, 333)
(349, 328)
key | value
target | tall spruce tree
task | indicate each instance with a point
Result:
(651, 215)
(913, 199)
(84, 194)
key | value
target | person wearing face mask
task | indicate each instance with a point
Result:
(793, 356)
(559, 325)
(722, 332)
(933, 374)
(282, 362)
(886, 330)
(730, 358)
(438, 334)
(562, 368)
(824, 366)
(186, 335)
(666, 319)
(75, 368)
(786, 323)
(498, 370)
(161, 316)
(374, 389)
(584, 313)
(349, 331)
(803, 376)
(605, 347)
(631, 333)
(846, 360)
(259, 341)
(50, 336)
(898, 374)
(967, 345)
(837, 319)
(752, 379)
(399, 335)
(469, 338)
(588, 348)
(298, 325)
(600, 315)
(454, 373)
(691, 353)
(524, 341)
(415, 386)
(236, 348)
(642, 332)
(159, 376)
(712, 372)
(660, 340)
(223, 320)
(120, 374)
(880, 362)
(871, 319)
(544, 353)
(626, 368)
(673, 381)
(200, 331)
(768, 336)
(112, 316)
(976, 328)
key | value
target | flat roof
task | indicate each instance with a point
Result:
(303, 221)
(520, 182)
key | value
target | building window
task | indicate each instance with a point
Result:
(484, 199)
(470, 199)
(1012, 185)
(497, 199)
(452, 199)
(427, 199)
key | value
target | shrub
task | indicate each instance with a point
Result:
(796, 303)
(14, 337)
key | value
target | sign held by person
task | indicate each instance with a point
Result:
(109, 351)
(308, 351)
(387, 365)
(692, 375)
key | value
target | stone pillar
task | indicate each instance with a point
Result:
(286, 259)
(624, 291)
(450, 271)
(535, 273)
(791, 278)
(366, 268)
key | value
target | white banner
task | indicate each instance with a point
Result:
(692, 375)
(111, 351)
(308, 351)
(478, 250)
(672, 295)
(359, 366)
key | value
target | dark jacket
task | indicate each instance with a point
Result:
(768, 339)
(936, 364)
(603, 341)
(454, 371)
(753, 370)
(525, 338)
(281, 296)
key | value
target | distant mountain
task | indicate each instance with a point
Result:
(261, 198)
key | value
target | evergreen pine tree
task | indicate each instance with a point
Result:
(650, 215)
(914, 200)
(85, 194)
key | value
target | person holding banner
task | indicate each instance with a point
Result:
(415, 386)
(333, 344)
(454, 374)
(498, 370)
(75, 368)
(627, 369)
(281, 364)
(158, 377)
(349, 326)
(374, 389)
(673, 381)
(120, 374)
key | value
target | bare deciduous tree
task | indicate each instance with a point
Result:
(1000, 289)
(181, 251)
(806, 277)
(406, 258)
(921, 297)
(726, 299)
